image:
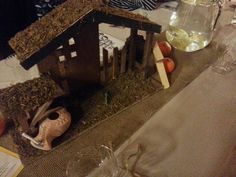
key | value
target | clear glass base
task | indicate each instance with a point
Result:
(187, 41)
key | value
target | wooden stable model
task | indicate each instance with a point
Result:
(79, 61)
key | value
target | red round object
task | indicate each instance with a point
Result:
(169, 65)
(165, 48)
(2, 125)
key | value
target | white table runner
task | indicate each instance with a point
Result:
(192, 135)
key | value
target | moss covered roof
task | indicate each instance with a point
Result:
(27, 97)
(48, 33)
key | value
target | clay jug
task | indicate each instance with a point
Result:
(52, 127)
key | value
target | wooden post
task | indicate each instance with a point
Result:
(85, 68)
(147, 52)
(115, 65)
(62, 68)
(160, 66)
(105, 64)
(132, 48)
(63, 81)
(123, 59)
(65, 86)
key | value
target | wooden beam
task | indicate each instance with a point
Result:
(115, 66)
(62, 69)
(105, 64)
(63, 81)
(132, 48)
(65, 86)
(85, 68)
(123, 59)
(147, 52)
(125, 19)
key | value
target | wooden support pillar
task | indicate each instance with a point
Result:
(63, 81)
(147, 53)
(123, 59)
(86, 66)
(62, 69)
(105, 64)
(132, 48)
(115, 65)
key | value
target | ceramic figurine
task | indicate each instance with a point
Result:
(52, 127)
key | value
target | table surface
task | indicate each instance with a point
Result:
(177, 146)
(193, 134)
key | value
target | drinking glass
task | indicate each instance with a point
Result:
(226, 47)
(95, 162)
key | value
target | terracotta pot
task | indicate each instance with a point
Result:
(52, 127)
